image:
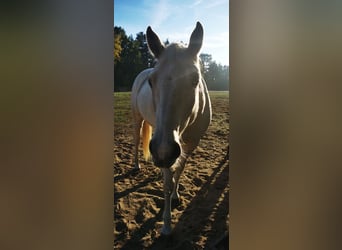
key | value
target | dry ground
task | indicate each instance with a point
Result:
(200, 221)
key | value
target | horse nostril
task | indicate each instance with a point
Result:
(164, 155)
(176, 150)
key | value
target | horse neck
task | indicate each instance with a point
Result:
(204, 95)
(201, 101)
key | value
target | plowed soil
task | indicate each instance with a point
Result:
(200, 220)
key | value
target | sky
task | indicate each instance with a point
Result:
(176, 19)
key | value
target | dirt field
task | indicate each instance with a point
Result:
(200, 221)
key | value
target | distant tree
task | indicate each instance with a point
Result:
(119, 36)
(167, 42)
(147, 58)
(217, 76)
(206, 59)
(212, 74)
(117, 48)
(130, 63)
(131, 56)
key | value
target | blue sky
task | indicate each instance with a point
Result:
(176, 19)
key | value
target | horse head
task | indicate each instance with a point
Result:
(175, 84)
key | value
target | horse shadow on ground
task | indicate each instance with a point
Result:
(130, 174)
(213, 189)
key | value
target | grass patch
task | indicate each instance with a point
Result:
(219, 94)
(122, 108)
(122, 105)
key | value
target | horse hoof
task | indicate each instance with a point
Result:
(175, 202)
(166, 231)
(136, 168)
(175, 196)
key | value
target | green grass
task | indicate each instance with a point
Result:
(219, 94)
(122, 105)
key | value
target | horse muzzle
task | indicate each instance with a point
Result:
(164, 155)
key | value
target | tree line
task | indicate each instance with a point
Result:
(131, 56)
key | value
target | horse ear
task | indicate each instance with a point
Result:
(154, 43)
(196, 40)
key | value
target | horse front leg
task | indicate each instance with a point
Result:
(168, 185)
(178, 171)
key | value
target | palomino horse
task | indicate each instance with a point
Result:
(173, 98)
